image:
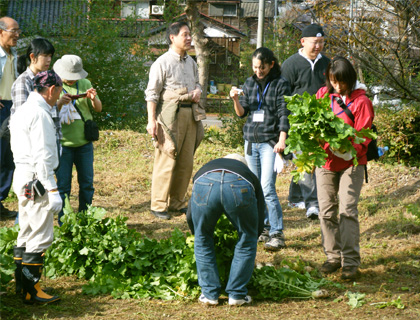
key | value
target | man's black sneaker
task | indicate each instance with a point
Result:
(330, 267)
(7, 214)
(178, 212)
(161, 215)
(265, 236)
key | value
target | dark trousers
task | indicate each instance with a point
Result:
(304, 190)
(7, 165)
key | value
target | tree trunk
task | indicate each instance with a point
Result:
(201, 47)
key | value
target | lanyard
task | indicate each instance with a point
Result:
(342, 110)
(262, 98)
(77, 86)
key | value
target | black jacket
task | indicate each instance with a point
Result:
(241, 169)
(274, 106)
(298, 71)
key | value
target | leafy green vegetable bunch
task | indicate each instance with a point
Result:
(8, 238)
(225, 239)
(277, 284)
(267, 282)
(312, 122)
(117, 260)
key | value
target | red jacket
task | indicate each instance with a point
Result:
(362, 110)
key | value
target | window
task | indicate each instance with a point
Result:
(213, 58)
(229, 10)
(225, 10)
(139, 9)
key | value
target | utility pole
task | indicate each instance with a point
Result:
(276, 10)
(261, 18)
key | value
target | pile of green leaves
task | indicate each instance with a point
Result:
(119, 261)
(312, 122)
(393, 303)
(7, 266)
(225, 238)
(277, 284)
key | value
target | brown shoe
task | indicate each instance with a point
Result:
(330, 267)
(350, 273)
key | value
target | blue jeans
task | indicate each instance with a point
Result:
(7, 165)
(82, 157)
(213, 194)
(261, 163)
(304, 190)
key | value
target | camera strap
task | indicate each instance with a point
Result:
(74, 103)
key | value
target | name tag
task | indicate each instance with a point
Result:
(54, 113)
(258, 116)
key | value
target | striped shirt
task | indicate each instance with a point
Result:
(21, 89)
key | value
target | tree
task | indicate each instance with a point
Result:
(382, 40)
(113, 54)
(201, 45)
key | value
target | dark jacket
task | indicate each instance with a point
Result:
(241, 169)
(275, 109)
(298, 71)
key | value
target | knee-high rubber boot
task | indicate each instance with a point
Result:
(17, 256)
(32, 264)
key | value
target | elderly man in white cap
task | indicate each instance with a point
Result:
(226, 186)
(35, 151)
(78, 99)
(305, 71)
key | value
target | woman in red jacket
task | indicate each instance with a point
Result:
(339, 182)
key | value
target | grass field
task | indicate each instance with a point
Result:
(390, 245)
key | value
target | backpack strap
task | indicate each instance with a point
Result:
(351, 116)
(366, 174)
(344, 107)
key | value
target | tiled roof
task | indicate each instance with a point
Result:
(250, 9)
(46, 15)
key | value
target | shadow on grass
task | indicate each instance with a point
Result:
(371, 205)
(72, 304)
(398, 228)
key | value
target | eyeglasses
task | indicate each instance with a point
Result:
(14, 31)
(316, 43)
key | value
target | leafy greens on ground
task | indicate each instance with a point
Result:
(119, 261)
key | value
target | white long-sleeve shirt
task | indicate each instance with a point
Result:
(33, 139)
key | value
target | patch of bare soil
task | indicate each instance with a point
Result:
(390, 245)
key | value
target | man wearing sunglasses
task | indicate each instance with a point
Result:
(9, 34)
